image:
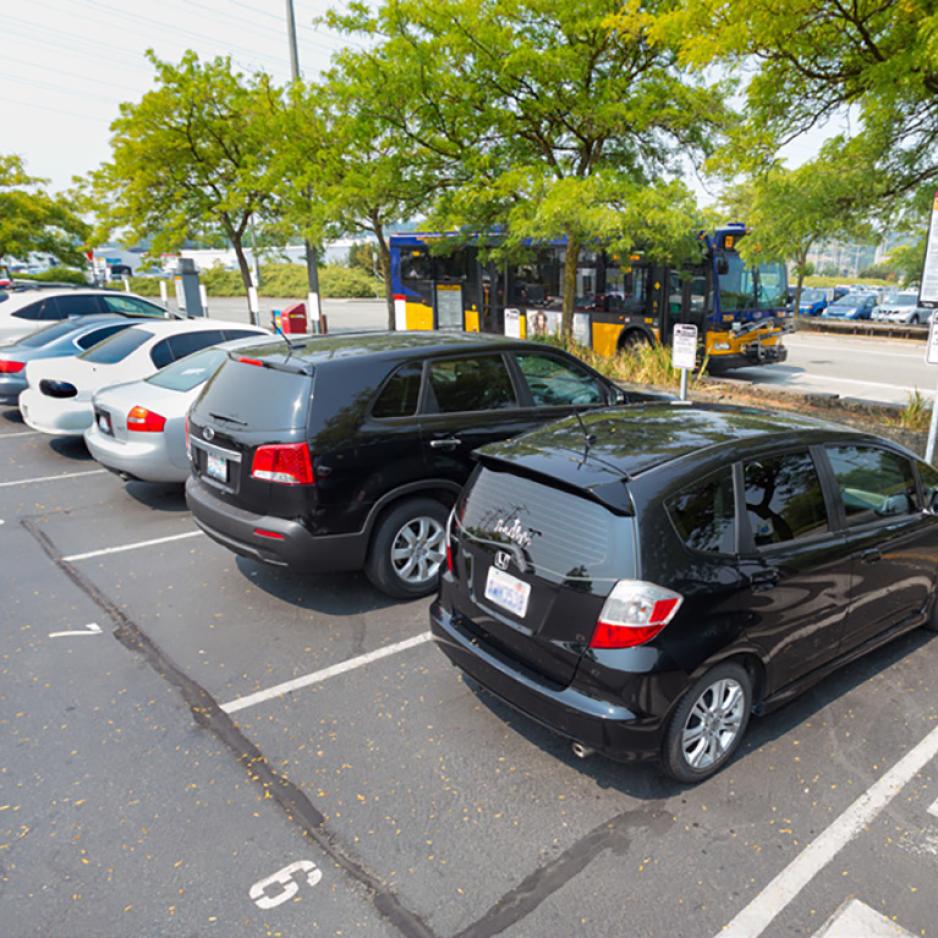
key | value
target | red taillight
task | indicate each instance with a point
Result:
(450, 563)
(188, 446)
(286, 463)
(634, 613)
(142, 420)
(251, 361)
(273, 535)
(11, 367)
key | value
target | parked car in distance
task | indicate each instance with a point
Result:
(903, 308)
(138, 430)
(26, 311)
(57, 340)
(346, 452)
(851, 306)
(643, 581)
(58, 397)
(813, 301)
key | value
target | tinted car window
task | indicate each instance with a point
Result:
(188, 342)
(191, 372)
(117, 348)
(399, 396)
(130, 304)
(99, 335)
(704, 515)
(161, 354)
(465, 384)
(929, 477)
(553, 381)
(34, 311)
(229, 334)
(873, 483)
(47, 334)
(784, 500)
(76, 306)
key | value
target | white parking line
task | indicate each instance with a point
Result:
(856, 919)
(62, 475)
(759, 914)
(316, 677)
(121, 548)
(933, 810)
(6, 436)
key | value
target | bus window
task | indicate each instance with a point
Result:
(416, 265)
(737, 289)
(773, 286)
(536, 283)
(451, 268)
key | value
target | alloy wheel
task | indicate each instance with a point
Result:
(713, 724)
(417, 550)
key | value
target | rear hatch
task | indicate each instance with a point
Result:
(248, 403)
(534, 562)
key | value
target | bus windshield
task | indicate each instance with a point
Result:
(743, 288)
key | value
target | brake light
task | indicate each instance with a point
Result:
(273, 535)
(286, 463)
(450, 564)
(634, 613)
(251, 361)
(188, 447)
(11, 367)
(142, 420)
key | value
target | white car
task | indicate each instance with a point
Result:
(904, 308)
(57, 399)
(25, 311)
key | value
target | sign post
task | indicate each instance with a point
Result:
(928, 296)
(684, 352)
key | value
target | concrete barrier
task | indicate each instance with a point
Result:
(888, 330)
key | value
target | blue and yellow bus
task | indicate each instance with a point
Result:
(740, 310)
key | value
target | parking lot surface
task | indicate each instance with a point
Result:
(196, 744)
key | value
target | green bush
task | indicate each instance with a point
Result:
(338, 281)
(289, 280)
(57, 275)
(144, 286)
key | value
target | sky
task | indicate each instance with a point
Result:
(67, 65)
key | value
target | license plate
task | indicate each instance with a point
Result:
(507, 591)
(216, 467)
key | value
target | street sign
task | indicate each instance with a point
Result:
(928, 291)
(684, 346)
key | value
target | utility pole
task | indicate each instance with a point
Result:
(312, 262)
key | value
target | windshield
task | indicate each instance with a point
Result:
(117, 347)
(851, 299)
(905, 300)
(742, 287)
(190, 371)
(49, 334)
(809, 295)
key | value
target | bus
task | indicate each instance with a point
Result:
(741, 311)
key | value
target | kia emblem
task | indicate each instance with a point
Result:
(502, 559)
(208, 433)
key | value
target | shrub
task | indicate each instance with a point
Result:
(145, 286)
(57, 275)
(916, 415)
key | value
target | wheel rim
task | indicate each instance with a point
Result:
(417, 550)
(713, 724)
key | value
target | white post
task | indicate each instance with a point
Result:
(126, 285)
(164, 293)
(254, 306)
(683, 384)
(932, 430)
(203, 296)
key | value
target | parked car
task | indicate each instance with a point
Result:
(139, 427)
(813, 301)
(643, 580)
(348, 451)
(851, 306)
(26, 311)
(903, 308)
(58, 397)
(57, 340)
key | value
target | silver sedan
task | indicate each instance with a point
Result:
(139, 427)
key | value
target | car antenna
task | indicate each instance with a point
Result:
(589, 437)
(290, 345)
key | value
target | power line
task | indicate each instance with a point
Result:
(57, 110)
(55, 89)
(59, 71)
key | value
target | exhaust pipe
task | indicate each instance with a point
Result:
(581, 751)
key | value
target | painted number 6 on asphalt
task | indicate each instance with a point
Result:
(285, 880)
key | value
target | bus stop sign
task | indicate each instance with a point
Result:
(684, 346)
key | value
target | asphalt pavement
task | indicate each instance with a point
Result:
(197, 744)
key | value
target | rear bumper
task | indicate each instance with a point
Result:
(59, 416)
(292, 546)
(145, 459)
(11, 386)
(608, 727)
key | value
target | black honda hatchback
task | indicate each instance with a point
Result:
(348, 451)
(642, 580)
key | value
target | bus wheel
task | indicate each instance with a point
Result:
(633, 341)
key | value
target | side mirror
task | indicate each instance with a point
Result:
(619, 396)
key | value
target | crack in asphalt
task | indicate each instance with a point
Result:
(207, 714)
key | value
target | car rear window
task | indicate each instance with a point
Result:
(190, 372)
(565, 537)
(261, 398)
(117, 347)
(49, 334)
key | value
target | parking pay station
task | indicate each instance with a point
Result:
(188, 297)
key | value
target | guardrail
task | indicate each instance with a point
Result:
(887, 330)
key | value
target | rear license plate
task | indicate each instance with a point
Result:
(216, 467)
(507, 591)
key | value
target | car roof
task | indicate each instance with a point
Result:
(634, 439)
(165, 327)
(19, 298)
(389, 345)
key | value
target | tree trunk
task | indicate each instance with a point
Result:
(384, 262)
(245, 268)
(570, 262)
(801, 262)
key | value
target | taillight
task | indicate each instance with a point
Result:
(450, 564)
(142, 420)
(11, 367)
(286, 463)
(188, 446)
(251, 361)
(634, 613)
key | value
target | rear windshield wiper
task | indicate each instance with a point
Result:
(240, 423)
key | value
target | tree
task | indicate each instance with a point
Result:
(908, 260)
(551, 120)
(192, 155)
(791, 210)
(32, 221)
(812, 61)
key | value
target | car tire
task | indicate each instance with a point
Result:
(682, 757)
(417, 526)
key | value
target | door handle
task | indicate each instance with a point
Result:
(871, 555)
(763, 580)
(446, 443)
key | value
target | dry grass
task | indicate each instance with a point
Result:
(916, 415)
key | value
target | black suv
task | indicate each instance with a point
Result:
(348, 451)
(642, 585)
